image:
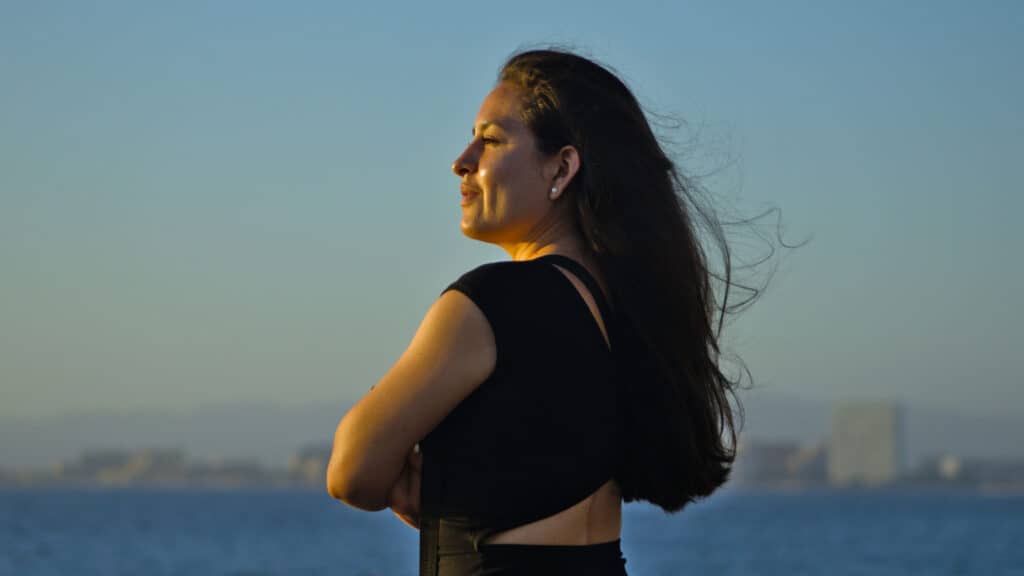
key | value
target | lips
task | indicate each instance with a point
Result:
(468, 193)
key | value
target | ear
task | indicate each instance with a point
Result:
(563, 167)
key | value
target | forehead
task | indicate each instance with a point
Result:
(502, 106)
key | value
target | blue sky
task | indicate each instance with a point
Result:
(213, 203)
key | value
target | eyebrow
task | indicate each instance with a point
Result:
(485, 124)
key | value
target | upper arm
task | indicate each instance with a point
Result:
(451, 354)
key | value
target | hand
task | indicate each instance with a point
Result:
(404, 498)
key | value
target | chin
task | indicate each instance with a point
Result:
(476, 232)
(470, 232)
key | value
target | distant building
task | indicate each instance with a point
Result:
(943, 469)
(978, 473)
(760, 463)
(309, 464)
(231, 473)
(92, 465)
(867, 444)
(809, 465)
(779, 464)
(158, 466)
(993, 474)
(121, 467)
(97, 461)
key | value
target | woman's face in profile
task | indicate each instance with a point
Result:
(504, 189)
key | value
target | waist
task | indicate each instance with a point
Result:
(462, 551)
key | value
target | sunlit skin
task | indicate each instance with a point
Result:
(506, 199)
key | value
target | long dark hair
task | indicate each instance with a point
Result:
(639, 215)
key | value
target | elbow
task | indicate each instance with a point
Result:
(345, 483)
(337, 486)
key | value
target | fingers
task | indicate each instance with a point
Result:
(405, 495)
(405, 509)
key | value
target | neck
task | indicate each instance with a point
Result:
(558, 239)
(565, 246)
(554, 235)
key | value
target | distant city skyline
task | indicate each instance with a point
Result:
(862, 453)
(270, 434)
(199, 209)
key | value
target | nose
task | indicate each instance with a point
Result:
(466, 162)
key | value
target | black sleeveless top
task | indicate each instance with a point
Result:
(542, 432)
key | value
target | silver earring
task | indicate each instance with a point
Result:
(554, 192)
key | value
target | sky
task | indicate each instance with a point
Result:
(213, 203)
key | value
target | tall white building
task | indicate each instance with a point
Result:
(867, 444)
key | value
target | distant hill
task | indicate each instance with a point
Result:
(269, 434)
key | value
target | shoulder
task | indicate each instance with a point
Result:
(523, 301)
(507, 291)
(498, 286)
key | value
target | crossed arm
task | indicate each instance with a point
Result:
(373, 465)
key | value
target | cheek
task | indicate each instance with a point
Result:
(516, 191)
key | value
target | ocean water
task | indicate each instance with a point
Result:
(150, 532)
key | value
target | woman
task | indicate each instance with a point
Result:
(540, 393)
